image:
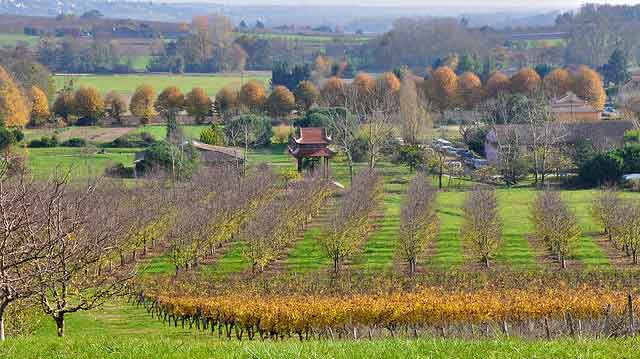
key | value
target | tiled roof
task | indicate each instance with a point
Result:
(312, 136)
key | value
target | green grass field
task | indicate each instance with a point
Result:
(10, 39)
(126, 84)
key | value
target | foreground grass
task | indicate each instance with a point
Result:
(170, 348)
(126, 84)
(123, 331)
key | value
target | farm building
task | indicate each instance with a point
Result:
(209, 156)
(571, 108)
(603, 135)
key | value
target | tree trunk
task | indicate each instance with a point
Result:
(60, 324)
(3, 307)
(486, 261)
(563, 262)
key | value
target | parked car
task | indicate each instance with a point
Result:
(479, 163)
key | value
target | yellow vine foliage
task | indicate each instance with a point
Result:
(296, 313)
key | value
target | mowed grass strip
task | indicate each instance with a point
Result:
(448, 246)
(127, 83)
(514, 210)
(379, 249)
(307, 254)
(588, 251)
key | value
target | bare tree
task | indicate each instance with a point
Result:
(21, 248)
(86, 225)
(419, 222)
(556, 225)
(350, 225)
(482, 227)
(378, 110)
(344, 128)
(604, 211)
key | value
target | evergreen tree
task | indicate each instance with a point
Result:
(615, 71)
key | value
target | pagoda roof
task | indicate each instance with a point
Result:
(311, 152)
(313, 136)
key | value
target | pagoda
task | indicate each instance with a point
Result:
(312, 143)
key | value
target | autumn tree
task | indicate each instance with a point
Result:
(482, 227)
(333, 92)
(555, 225)
(63, 106)
(39, 105)
(389, 82)
(281, 101)
(588, 86)
(253, 95)
(14, 107)
(306, 94)
(115, 105)
(497, 83)
(470, 88)
(526, 81)
(88, 104)
(169, 102)
(227, 102)
(198, 104)
(141, 104)
(419, 222)
(557, 83)
(364, 90)
(445, 88)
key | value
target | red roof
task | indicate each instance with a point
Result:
(313, 136)
(311, 152)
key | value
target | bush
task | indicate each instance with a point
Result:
(119, 170)
(259, 134)
(9, 137)
(44, 142)
(602, 168)
(213, 135)
(163, 155)
(282, 134)
(75, 142)
(137, 139)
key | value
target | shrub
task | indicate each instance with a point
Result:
(180, 162)
(75, 142)
(138, 139)
(44, 142)
(119, 170)
(9, 137)
(213, 135)
(602, 168)
(282, 134)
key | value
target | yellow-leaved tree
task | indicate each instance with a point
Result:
(39, 106)
(14, 107)
(142, 101)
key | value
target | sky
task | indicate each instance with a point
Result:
(493, 4)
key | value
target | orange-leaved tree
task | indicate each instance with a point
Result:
(253, 95)
(445, 88)
(306, 94)
(470, 88)
(198, 104)
(588, 86)
(526, 81)
(557, 83)
(281, 101)
(497, 83)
